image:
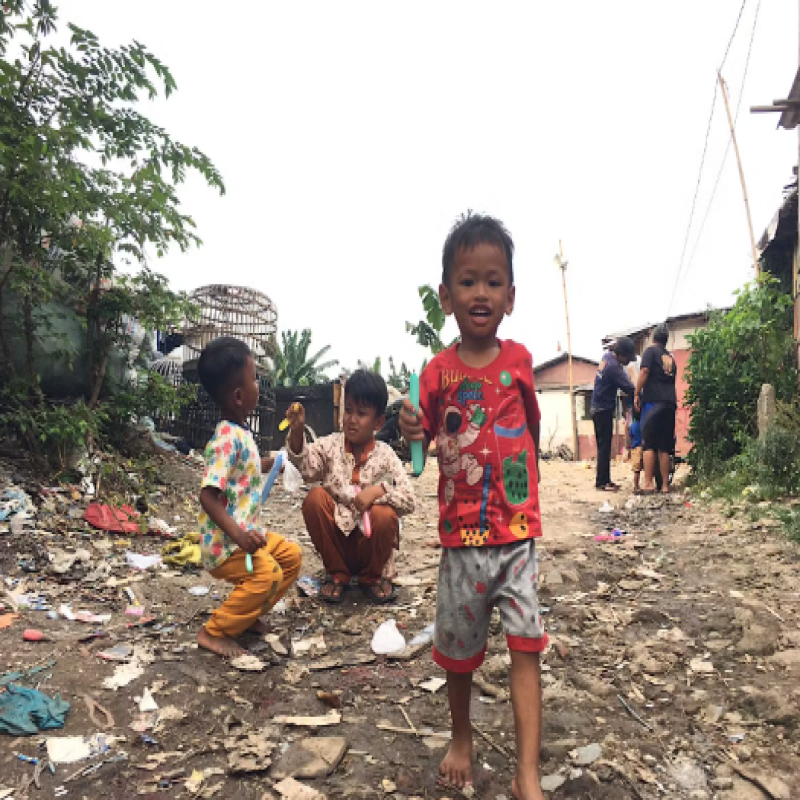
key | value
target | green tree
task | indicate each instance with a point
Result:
(731, 359)
(86, 181)
(400, 379)
(428, 331)
(375, 366)
(293, 365)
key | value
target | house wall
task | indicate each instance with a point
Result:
(558, 374)
(587, 444)
(556, 428)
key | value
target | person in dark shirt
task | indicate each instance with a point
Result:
(657, 400)
(609, 380)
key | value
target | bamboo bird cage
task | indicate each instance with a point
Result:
(236, 311)
(245, 314)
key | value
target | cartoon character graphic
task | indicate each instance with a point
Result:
(451, 443)
(667, 364)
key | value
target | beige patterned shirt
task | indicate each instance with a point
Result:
(330, 462)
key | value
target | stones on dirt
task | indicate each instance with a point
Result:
(550, 783)
(291, 789)
(584, 756)
(315, 757)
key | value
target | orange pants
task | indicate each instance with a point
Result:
(275, 568)
(353, 553)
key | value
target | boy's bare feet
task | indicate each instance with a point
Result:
(526, 787)
(456, 768)
(221, 645)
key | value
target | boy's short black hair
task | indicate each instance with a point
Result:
(469, 231)
(368, 389)
(220, 363)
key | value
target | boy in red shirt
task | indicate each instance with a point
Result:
(477, 400)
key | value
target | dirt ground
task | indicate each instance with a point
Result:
(676, 651)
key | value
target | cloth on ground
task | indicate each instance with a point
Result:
(26, 711)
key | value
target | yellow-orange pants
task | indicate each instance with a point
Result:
(275, 568)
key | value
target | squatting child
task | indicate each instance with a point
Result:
(230, 497)
(358, 475)
(477, 401)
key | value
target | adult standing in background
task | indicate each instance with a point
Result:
(657, 400)
(608, 382)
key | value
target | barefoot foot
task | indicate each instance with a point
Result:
(221, 645)
(526, 787)
(456, 768)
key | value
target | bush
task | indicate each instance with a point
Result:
(731, 359)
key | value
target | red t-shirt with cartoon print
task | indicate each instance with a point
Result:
(479, 418)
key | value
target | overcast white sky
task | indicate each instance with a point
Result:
(351, 134)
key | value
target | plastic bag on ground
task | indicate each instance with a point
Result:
(388, 639)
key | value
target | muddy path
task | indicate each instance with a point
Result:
(673, 670)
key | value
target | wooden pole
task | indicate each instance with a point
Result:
(741, 172)
(569, 356)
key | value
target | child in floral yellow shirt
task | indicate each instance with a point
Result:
(230, 497)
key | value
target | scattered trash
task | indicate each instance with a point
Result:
(198, 591)
(69, 749)
(114, 520)
(26, 711)
(16, 503)
(584, 756)
(274, 641)
(183, 552)
(141, 561)
(312, 645)
(389, 787)
(333, 718)
(550, 783)
(701, 666)
(248, 750)
(248, 663)
(606, 508)
(423, 637)
(6, 620)
(32, 635)
(82, 616)
(123, 675)
(147, 704)
(388, 639)
(290, 789)
(315, 757)
(614, 535)
(309, 586)
(121, 652)
(432, 685)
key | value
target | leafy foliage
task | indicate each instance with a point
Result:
(428, 331)
(85, 181)
(293, 365)
(400, 379)
(731, 359)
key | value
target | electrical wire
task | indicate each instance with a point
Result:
(703, 160)
(725, 155)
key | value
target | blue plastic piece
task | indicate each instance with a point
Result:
(271, 478)
(417, 456)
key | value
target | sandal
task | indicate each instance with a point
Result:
(336, 596)
(376, 592)
(609, 487)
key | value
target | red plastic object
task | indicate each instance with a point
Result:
(31, 635)
(115, 520)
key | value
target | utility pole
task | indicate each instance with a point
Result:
(562, 265)
(741, 172)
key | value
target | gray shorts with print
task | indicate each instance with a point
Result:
(472, 581)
